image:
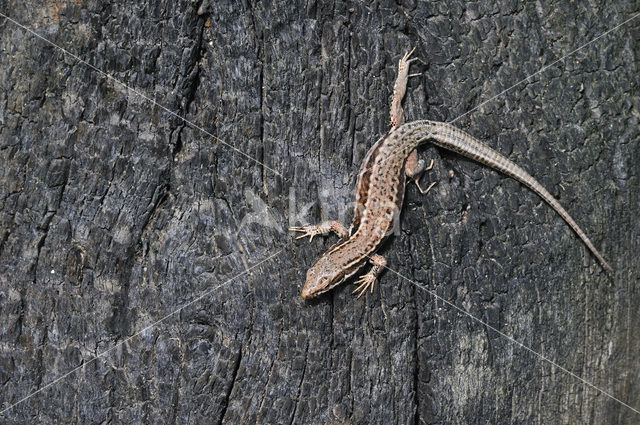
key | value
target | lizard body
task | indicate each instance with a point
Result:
(380, 190)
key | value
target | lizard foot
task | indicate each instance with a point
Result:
(367, 281)
(320, 229)
(405, 59)
(310, 231)
(414, 170)
(424, 191)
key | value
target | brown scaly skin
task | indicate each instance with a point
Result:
(380, 190)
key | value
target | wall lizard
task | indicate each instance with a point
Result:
(380, 190)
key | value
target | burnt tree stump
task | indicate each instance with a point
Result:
(144, 214)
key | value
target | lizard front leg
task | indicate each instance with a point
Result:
(369, 279)
(321, 229)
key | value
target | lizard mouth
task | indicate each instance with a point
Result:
(308, 293)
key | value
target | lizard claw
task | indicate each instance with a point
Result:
(367, 281)
(407, 55)
(407, 59)
(424, 191)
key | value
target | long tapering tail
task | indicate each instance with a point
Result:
(453, 139)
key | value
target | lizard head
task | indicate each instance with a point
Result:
(321, 277)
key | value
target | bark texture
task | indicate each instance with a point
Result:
(127, 233)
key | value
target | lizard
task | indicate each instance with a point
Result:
(380, 188)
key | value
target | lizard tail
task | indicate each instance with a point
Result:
(456, 140)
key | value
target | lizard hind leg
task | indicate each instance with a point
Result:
(396, 112)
